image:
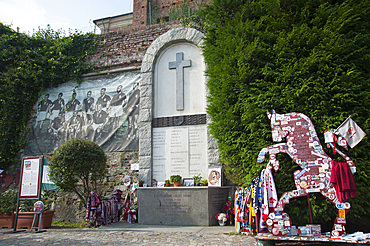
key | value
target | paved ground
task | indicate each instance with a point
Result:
(122, 233)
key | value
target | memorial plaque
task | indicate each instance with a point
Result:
(178, 140)
(179, 150)
(159, 154)
(197, 150)
(184, 206)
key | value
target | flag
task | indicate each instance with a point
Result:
(351, 132)
(47, 184)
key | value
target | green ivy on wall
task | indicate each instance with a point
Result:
(28, 65)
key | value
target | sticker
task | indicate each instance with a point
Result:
(277, 213)
(285, 216)
(304, 184)
(347, 205)
(342, 213)
(338, 227)
(315, 177)
(280, 208)
(300, 173)
(312, 190)
(341, 220)
(339, 205)
(272, 216)
(335, 233)
(281, 222)
(287, 223)
(274, 151)
(269, 222)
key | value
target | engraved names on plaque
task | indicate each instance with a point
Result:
(179, 150)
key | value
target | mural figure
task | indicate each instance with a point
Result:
(103, 100)
(100, 119)
(56, 108)
(116, 106)
(43, 108)
(72, 106)
(133, 111)
(303, 146)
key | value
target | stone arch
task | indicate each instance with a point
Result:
(174, 36)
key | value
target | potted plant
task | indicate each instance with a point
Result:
(204, 182)
(197, 179)
(167, 182)
(8, 204)
(176, 179)
(141, 182)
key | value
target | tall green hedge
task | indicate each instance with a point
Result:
(28, 65)
(306, 56)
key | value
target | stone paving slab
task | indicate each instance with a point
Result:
(122, 233)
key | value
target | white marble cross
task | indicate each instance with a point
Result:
(179, 65)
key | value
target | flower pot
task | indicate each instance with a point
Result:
(205, 184)
(6, 221)
(176, 184)
(25, 219)
(167, 185)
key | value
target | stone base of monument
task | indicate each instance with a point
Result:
(181, 206)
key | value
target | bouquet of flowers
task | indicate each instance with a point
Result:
(228, 207)
(222, 217)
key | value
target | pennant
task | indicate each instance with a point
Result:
(351, 132)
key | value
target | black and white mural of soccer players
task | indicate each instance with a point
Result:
(103, 109)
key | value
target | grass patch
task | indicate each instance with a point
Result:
(67, 224)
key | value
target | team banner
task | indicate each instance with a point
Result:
(103, 109)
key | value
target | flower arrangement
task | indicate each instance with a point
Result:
(227, 210)
(228, 207)
(222, 218)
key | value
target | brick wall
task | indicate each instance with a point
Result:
(144, 9)
(127, 48)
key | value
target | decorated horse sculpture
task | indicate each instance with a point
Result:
(303, 146)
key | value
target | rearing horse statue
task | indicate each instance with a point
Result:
(303, 146)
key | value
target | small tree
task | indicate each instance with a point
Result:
(78, 166)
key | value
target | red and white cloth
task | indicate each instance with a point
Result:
(269, 193)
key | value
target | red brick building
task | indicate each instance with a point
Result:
(145, 12)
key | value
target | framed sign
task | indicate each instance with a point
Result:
(30, 178)
(188, 182)
(214, 177)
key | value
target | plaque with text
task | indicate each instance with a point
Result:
(179, 150)
(30, 179)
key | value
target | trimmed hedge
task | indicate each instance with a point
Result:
(307, 56)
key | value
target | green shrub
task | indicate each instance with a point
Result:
(306, 56)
